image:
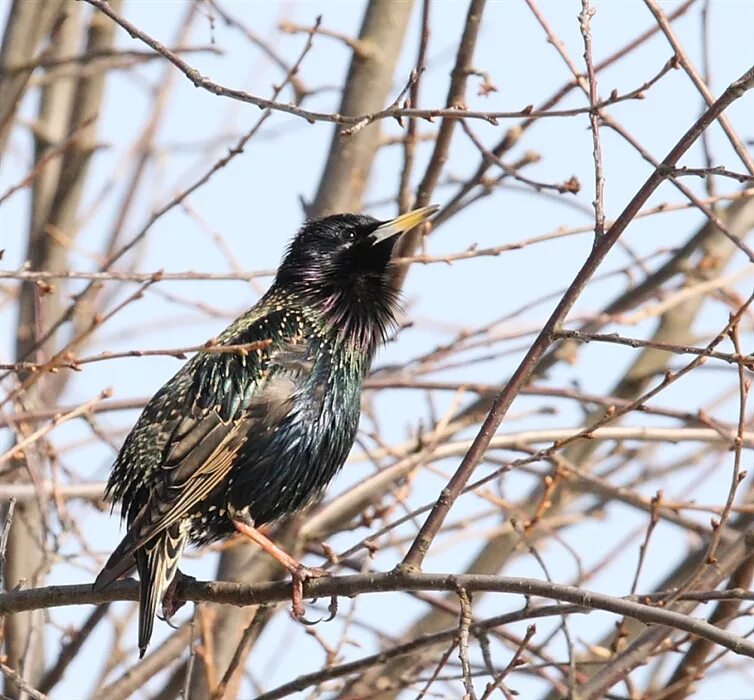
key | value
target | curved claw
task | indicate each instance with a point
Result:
(309, 623)
(171, 603)
(332, 609)
(169, 621)
(302, 574)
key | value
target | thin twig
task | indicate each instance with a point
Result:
(236, 150)
(503, 401)
(732, 358)
(531, 630)
(687, 66)
(464, 624)
(585, 19)
(4, 539)
(737, 476)
(409, 143)
(238, 655)
(22, 684)
(33, 437)
(654, 518)
(58, 151)
(209, 348)
(712, 170)
(311, 116)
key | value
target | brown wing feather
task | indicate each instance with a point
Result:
(200, 456)
(168, 503)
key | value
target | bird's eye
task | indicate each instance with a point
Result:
(350, 234)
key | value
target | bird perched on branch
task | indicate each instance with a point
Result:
(254, 427)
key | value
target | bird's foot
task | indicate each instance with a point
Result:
(299, 572)
(171, 602)
(299, 575)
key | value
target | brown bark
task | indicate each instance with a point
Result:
(67, 105)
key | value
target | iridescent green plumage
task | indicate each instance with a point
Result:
(257, 434)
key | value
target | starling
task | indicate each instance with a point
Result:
(244, 436)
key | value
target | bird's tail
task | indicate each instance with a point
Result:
(157, 563)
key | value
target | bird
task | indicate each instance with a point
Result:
(254, 426)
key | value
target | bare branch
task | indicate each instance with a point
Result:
(242, 594)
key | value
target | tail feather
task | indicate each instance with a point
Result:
(157, 564)
(121, 561)
(113, 570)
(124, 558)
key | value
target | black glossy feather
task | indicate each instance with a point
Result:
(260, 433)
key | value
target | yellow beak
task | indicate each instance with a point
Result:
(404, 222)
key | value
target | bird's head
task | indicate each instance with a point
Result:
(344, 254)
(340, 265)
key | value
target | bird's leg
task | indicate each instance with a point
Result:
(171, 603)
(299, 572)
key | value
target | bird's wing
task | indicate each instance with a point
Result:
(198, 463)
(203, 451)
(194, 466)
(204, 444)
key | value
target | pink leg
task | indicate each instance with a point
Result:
(299, 572)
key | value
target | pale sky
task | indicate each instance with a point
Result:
(254, 205)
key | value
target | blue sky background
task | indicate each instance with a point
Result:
(253, 204)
